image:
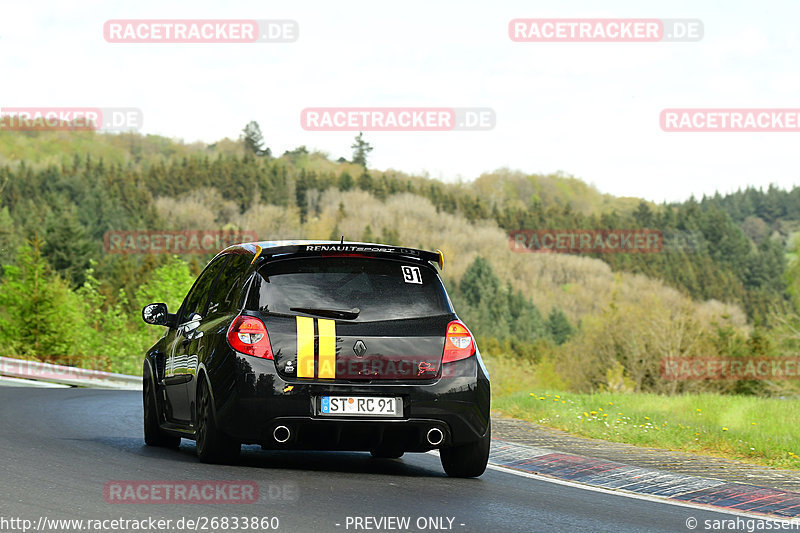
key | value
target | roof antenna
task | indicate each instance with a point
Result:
(342, 240)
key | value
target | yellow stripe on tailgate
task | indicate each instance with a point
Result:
(305, 347)
(327, 348)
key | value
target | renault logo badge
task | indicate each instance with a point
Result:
(360, 348)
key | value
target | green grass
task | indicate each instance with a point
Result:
(757, 430)
(752, 429)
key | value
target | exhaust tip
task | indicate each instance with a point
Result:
(435, 436)
(281, 434)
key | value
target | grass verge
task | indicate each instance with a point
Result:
(752, 429)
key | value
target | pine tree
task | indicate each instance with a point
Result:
(67, 247)
(361, 150)
(486, 307)
(39, 315)
(479, 282)
(559, 326)
(8, 234)
(365, 182)
(254, 139)
(345, 181)
(527, 323)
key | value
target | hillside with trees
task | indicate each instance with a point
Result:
(726, 284)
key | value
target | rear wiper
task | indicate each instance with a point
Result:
(347, 314)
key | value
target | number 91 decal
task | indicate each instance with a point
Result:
(412, 274)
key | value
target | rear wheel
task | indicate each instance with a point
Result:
(213, 446)
(153, 434)
(468, 460)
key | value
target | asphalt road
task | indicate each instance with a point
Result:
(60, 448)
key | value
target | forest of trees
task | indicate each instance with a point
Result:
(728, 271)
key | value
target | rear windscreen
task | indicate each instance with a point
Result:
(374, 289)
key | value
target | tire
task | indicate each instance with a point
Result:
(386, 453)
(153, 434)
(213, 446)
(468, 460)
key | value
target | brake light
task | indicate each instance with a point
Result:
(458, 343)
(248, 335)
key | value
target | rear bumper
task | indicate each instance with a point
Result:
(259, 401)
(356, 434)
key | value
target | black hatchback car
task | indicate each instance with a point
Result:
(318, 346)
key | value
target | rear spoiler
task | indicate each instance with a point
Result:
(338, 248)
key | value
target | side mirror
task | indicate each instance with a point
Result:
(157, 314)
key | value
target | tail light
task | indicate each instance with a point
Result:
(459, 343)
(248, 335)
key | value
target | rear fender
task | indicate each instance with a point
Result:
(202, 377)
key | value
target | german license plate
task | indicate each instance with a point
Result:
(360, 406)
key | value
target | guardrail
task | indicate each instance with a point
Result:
(35, 371)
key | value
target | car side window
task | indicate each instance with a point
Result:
(195, 301)
(226, 293)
